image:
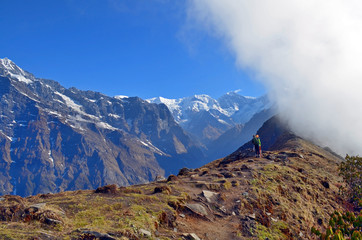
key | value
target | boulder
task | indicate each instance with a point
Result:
(248, 226)
(184, 171)
(145, 233)
(210, 196)
(162, 189)
(325, 184)
(172, 178)
(35, 207)
(228, 174)
(244, 167)
(168, 218)
(197, 209)
(112, 189)
(97, 235)
(191, 236)
(159, 178)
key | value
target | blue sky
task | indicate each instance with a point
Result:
(144, 48)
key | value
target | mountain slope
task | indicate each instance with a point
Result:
(280, 196)
(54, 139)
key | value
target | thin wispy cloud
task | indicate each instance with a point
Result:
(307, 53)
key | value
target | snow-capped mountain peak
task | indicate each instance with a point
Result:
(172, 104)
(7, 63)
(228, 105)
(207, 117)
(9, 68)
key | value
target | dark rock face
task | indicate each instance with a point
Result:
(231, 140)
(273, 134)
(55, 139)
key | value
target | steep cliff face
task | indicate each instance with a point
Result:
(54, 139)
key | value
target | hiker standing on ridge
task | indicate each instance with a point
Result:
(257, 145)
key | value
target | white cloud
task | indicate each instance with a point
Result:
(308, 53)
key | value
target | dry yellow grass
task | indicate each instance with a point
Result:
(278, 200)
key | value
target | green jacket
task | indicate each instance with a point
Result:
(256, 141)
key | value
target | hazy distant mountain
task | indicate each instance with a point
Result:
(241, 108)
(207, 118)
(54, 139)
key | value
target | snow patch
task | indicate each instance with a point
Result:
(120, 97)
(223, 122)
(50, 157)
(248, 97)
(152, 147)
(69, 102)
(76, 107)
(114, 116)
(20, 78)
(75, 122)
(9, 138)
(53, 113)
(90, 100)
(26, 95)
(106, 126)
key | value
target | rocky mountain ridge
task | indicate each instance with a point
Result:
(293, 187)
(54, 139)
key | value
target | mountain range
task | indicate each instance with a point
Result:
(207, 118)
(54, 139)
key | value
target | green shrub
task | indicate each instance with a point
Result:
(342, 226)
(346, 225)
(351, 171)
